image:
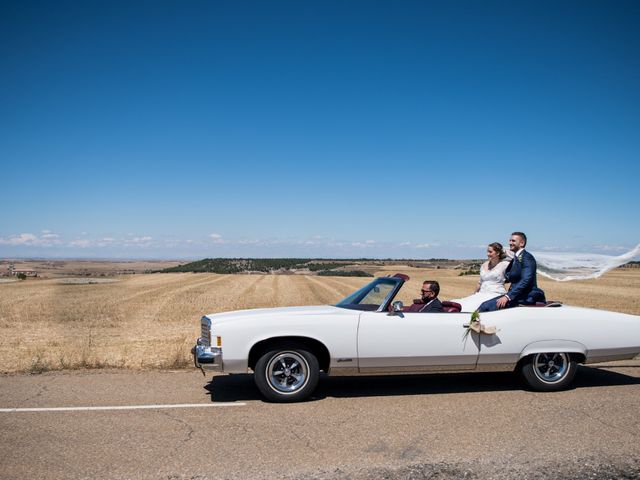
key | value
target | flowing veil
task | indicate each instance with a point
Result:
(563, 267)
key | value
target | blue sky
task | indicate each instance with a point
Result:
(334, 129)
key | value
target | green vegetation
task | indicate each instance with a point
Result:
(314, 267)
(238, 265)
(339, 273)
(265, 265)
(21, 276)
(473, 270)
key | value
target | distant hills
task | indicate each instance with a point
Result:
(358, 267)
(270, 265)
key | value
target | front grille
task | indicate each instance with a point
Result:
(205, 331)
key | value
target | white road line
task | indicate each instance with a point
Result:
(121, 407)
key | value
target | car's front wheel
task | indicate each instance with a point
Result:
(287, 373)
(549, 371)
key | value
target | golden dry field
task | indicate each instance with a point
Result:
(151, 321)
(74, 268)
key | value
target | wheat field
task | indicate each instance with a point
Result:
(151, 321)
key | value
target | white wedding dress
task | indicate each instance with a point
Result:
(491, 285)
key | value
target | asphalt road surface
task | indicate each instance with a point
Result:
(186, 426)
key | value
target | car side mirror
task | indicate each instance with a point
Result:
(396, 308)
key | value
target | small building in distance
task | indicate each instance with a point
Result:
(28, 272)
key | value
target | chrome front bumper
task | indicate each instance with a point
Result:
(206, 357)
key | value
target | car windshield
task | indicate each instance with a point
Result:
(372, 296)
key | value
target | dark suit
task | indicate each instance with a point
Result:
(419, 306)
(521, 273)
(433, 307)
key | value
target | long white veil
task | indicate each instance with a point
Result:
(563, 267)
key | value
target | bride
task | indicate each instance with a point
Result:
(491, 282)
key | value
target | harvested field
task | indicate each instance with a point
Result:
(151, 321)
(94, 268)
(86, 281)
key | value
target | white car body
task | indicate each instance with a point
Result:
(351, 341)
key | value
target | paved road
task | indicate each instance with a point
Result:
(438, 426)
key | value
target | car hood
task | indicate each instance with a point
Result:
(218, 318)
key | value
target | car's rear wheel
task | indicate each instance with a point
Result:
(287, 373)
(549, 371)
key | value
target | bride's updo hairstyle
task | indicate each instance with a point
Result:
(497, 247)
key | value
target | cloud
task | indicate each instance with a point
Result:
(366, 244)
(83, 243)
(142, 239)
(217, 238)
(29, 239)
(427, 245)
(610, 248)
(22, 239)
(105, 242)
(550, 248)
(249, 242)
(601, 248)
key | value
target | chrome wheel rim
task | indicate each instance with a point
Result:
(550, 367)
(287, 372)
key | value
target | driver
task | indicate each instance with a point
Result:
(430, 291)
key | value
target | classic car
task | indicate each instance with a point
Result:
(369, 333)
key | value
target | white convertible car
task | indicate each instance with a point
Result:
(368, 333)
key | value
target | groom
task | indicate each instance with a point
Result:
(521, 273)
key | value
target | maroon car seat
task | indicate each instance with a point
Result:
(447, 307)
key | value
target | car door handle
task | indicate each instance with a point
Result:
(466, 325)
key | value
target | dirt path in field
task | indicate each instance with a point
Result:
(172, 285)
(334, 294)
(255, 292)
(343, 286)
(325, 293)
(178, 295)
(14, 297)
(149, 301)
(276, 295)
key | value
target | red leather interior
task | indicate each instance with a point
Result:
(451, 307)
(447, 307)
(415, 307)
